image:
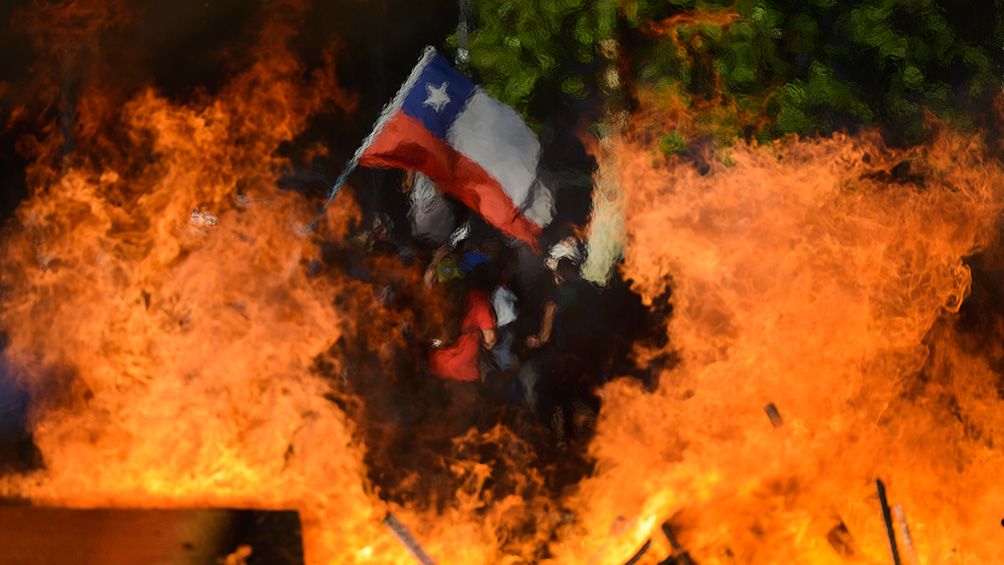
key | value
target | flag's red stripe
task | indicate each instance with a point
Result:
(405, 143)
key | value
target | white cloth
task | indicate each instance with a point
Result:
(567, 248)
(431, 216)
(460, 234)
(504, 304)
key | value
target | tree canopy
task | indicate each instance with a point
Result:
(755, 69)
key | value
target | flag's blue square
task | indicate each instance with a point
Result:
(439, 94)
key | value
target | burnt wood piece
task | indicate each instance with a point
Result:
(34, 535)
(640, 553)
(775, 417)
(887, 516)
(680, 557)
(409, 541)
(839, 538)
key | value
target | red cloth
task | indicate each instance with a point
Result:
(460, 362)
(405, 143)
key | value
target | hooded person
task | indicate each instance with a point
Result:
(555, 298)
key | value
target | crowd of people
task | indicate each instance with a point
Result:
(521, 337)
(501, 327)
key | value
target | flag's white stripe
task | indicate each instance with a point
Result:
(494, 136)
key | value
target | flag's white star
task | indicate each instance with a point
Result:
(438, 98)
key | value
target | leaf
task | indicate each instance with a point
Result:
(912, 77)
(672, 143)
(574, 86)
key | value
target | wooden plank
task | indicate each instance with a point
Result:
(40, 536)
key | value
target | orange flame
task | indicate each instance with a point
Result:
(169, 359)
(803, 276)
(670, 26)
(160, 313)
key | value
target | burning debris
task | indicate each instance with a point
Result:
(680, 556)
(839, 538)
(202, 218)
(408, 540)
(904, 532)
(637, 557)
(887, 518)
(773, 415)
(239, 556)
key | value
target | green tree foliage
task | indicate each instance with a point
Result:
(523, 48)
(754, 68)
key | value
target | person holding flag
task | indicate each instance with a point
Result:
(480, 152)
(471, 146)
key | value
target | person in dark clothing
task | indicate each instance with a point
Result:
(553, 374)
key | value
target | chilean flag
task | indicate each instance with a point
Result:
(472, 146)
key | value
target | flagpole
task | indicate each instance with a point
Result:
(349, 168)
(385, 115)
(463, 36)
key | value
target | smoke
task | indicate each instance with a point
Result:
(605, 239)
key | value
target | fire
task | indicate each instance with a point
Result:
(180, 350)
(169, 354)
(166, 314)
(806, 275)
